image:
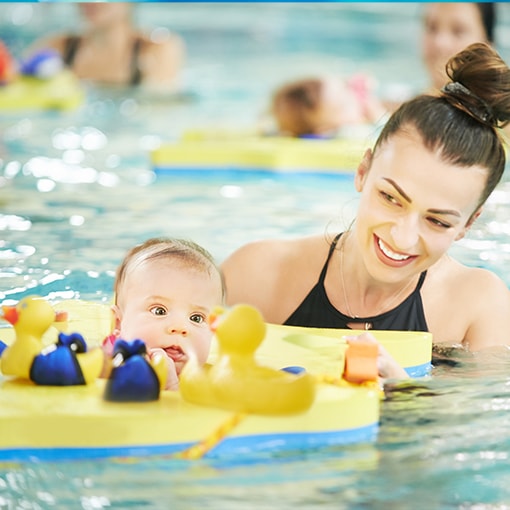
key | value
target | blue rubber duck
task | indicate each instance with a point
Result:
(60, 364)
(134, 377)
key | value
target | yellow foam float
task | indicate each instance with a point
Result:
(75, 422)
(60, 92)
(223, 151)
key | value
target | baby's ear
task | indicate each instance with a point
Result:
(116, 319)
(362, 171)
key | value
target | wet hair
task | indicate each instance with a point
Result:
(187, 252)
(462, 122)
(488, 15)
(300, 100)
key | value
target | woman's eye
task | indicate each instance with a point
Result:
(439, 223)
(158, 310)
(389, 198)
(196, 317)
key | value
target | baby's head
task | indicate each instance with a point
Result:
(164, 291)
(316, 106)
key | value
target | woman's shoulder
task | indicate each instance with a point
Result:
(452, 274)
(477, 298)
(161, 41)
(162, 59)
(282, 250)
(277, 262)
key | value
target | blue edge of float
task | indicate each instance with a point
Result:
(247, 173)
(228, 448)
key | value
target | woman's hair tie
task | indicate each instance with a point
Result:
(461, 97)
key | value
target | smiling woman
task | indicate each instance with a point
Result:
(421, 188)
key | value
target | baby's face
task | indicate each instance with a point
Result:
(166, 304)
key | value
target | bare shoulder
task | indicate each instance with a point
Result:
(477, 298)
(274, 274)
(167, 43)
(163, 57)
(275, 253)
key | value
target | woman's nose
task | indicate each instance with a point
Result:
(405, 233)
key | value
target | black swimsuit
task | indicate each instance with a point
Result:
(72, 44)
(317, 311)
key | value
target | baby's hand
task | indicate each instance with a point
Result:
(387, 367)
(172, 380)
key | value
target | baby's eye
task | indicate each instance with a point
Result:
(198, 318)
(158, 310)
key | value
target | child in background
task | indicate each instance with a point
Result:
(321, 107)
(165, 289)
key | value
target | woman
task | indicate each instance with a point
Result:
(422, 186)
(449, 28)
(112, 51)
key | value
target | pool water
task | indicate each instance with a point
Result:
(77, 190)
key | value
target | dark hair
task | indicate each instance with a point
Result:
(462, 121)
(300, 98)
(488, 15)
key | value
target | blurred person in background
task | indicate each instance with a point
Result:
(321, 107)
(449, 28)
(111, 50)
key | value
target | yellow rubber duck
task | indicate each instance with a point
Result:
(30, 318)
(236, 381)
(27, 357)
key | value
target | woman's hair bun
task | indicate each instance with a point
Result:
(480, 84)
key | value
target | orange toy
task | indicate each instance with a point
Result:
(361, 362)
(7, 67)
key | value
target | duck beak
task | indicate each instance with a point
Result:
(214, 317)
(10, 314)
(61, 316)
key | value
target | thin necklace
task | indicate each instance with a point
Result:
(389, 305)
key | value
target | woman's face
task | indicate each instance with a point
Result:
(448, 29)
(413, 206)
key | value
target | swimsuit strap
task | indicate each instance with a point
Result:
(71, 45)
(325, 267)
(136, 74)
(420, 281)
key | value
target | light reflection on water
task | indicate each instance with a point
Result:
(77, 190)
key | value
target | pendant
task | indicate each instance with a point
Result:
(368, 325)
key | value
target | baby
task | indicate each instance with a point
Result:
(164, 291)
(320, 107)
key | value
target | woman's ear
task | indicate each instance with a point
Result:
(362, 171)
(469, 224)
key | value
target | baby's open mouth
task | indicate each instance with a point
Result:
(175, 352)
